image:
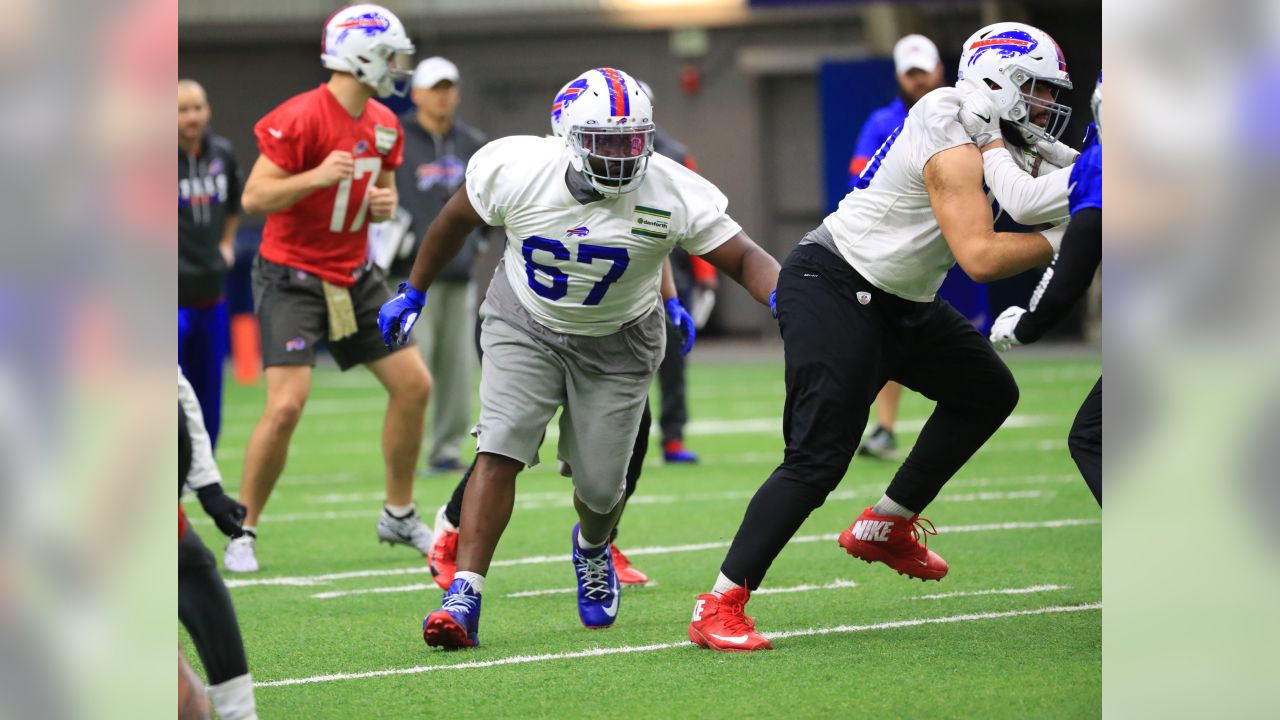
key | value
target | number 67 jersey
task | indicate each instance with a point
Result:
(589, 268)
(326, 233)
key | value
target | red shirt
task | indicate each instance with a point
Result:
(326, 232)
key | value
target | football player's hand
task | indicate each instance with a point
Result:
(682, 321)
(979, 116)
(773, 303)
(1002, 330)
(227, 514)
(337, 167)
(1057, 153)
(382, 203)
(399, 314)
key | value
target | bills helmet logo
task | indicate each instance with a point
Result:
(1010, 43)
(578, 231)
(370, 23)
(566, 98)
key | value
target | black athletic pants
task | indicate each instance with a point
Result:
(843, 339)
(1085, 440)
(453, 511)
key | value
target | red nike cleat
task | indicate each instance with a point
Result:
(894, 541)
(720, 622)
(443, 558)
(627, 575)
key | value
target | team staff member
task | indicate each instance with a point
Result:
(327, 165)
(437, 146)
(208, 204)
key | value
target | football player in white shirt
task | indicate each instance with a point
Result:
(571, 318)
(857, 305)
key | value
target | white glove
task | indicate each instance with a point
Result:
(1057, 154)
(1002, 336)
(978, 114)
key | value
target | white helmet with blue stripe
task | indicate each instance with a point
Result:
(607, 120)
(1011, 61)
(369, 42)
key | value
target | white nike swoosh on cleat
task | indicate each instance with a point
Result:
(612, 610)
(736, 639)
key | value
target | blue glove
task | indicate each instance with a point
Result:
(683, 322)
(1090, 136)
(398, 315)
(773, 303)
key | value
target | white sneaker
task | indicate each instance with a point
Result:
(240, 557)
(410, 531)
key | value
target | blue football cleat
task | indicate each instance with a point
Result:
(674, 452)
(598, 588)
(457, 623)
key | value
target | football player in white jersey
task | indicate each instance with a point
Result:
(571, 318)
(857, 306)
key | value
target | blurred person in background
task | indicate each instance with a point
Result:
(696, 283)
(919, 71)
(208, 203)
(326, 165)
(437, 146)
(857, 302)
(1063, 283)
(204, 605)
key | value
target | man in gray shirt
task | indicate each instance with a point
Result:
(437, 148)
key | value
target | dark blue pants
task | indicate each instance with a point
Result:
(202, 350)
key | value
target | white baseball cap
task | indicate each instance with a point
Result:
(432, 70)
(914, 52)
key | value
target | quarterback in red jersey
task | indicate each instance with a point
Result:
(326, 169)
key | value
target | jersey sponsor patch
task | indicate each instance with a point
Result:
(384, 138)
(652, 222)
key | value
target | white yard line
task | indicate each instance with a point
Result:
(308, 580)
(835, 585)
(628, 649)
(996, 591)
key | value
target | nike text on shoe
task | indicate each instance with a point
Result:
(409, 531)
(627, 575)
(598, 590)
(457, 623)
(896, 542)
(720, 622)
(240, 556)
(443, 560)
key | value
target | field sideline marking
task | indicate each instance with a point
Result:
(308, 580)
(627, 649)
(995, 591)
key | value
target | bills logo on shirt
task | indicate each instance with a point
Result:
(446, 172)
(578, 231)
(360, 147)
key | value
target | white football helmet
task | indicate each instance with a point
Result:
(608, 122)
(369, 42)
(565, 97)
(1010, 60)
(1096, 103)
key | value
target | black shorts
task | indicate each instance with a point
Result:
(292, 316)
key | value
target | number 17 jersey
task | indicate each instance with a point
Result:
(326, 232)
(588, 269)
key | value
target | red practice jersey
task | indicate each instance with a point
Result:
(326, 233)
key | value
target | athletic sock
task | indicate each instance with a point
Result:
(233, 699)
(584, 545)
(250, 530)
(475, 580)
(399, 512)
(887, 506)
(723, 585)
(443, 522)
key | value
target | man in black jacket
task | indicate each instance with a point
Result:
(208, 203)
(437, 147)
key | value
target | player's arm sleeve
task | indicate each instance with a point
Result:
(708, 224)
(484, 180)
(204, 471)
(1028, 200)
(1067, 278)
(281, 140)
